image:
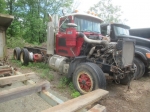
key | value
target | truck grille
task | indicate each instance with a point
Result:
(128, 49)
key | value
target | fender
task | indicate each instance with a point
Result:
(140, 52)
(73, 64)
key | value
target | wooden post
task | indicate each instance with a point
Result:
(98, 108)
(47, 96)
(16, 78)
(79, 102)
(14, 93)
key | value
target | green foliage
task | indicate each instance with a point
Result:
(18, 63)
(66, 82)
(31, 17)
(63, 82)
(15, 42)
(107, 11)
(38, 65)
(2, 6)
(43, 69)
(75, 94)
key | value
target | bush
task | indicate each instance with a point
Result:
(15, 42)
(66, 82)
(63, 82)
(75, 94)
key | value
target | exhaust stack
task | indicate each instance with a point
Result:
(50, 37)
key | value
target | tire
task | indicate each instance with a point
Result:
(88, 77)
(16, 53)
(24, 56)
(140, 68)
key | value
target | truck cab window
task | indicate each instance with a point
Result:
(121, 30)
(104, 30)
(87, 24)
(63, 24)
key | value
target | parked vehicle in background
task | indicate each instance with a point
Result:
(140, 32)
(142, 47)
(78, 51)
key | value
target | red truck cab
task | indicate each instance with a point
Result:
(67, 42)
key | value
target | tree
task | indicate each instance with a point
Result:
(31, 17)
(107, 11)
(2, 6)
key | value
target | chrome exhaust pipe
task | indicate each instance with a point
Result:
(86, 39)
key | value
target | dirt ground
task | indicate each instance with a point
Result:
(118, 100)
(135, 100)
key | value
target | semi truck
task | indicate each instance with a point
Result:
(142, 48)
(75, 47)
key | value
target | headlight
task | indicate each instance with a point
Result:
(148, 55)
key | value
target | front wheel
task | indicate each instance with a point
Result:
(139, 68)
(88, 77)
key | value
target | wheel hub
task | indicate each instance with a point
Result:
(85, 82)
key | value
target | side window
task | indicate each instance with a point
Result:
(63, 24)
(104, 30)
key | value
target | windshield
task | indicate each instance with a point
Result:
(121, 31)
(87, 24)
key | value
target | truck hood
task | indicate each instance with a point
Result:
(139, 40)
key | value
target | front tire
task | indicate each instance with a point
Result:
(140, 68)
(88, 77)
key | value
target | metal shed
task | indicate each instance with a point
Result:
(5, 21)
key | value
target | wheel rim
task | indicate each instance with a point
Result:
(85, 82)
(15, 55)
(21, 58)
(135, 67)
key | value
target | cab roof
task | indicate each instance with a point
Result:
(84, 14)
(116, 24)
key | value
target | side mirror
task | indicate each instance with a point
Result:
(64, 12)
(108, 29)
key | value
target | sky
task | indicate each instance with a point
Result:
(137, 12)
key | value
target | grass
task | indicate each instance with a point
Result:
(44, 70)
(41, 68)
(66, 82)
(15, 42)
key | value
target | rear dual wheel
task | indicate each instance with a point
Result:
(16, 53)
(88, 77)
(24, 56)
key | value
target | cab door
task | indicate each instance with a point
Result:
(61, 44)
